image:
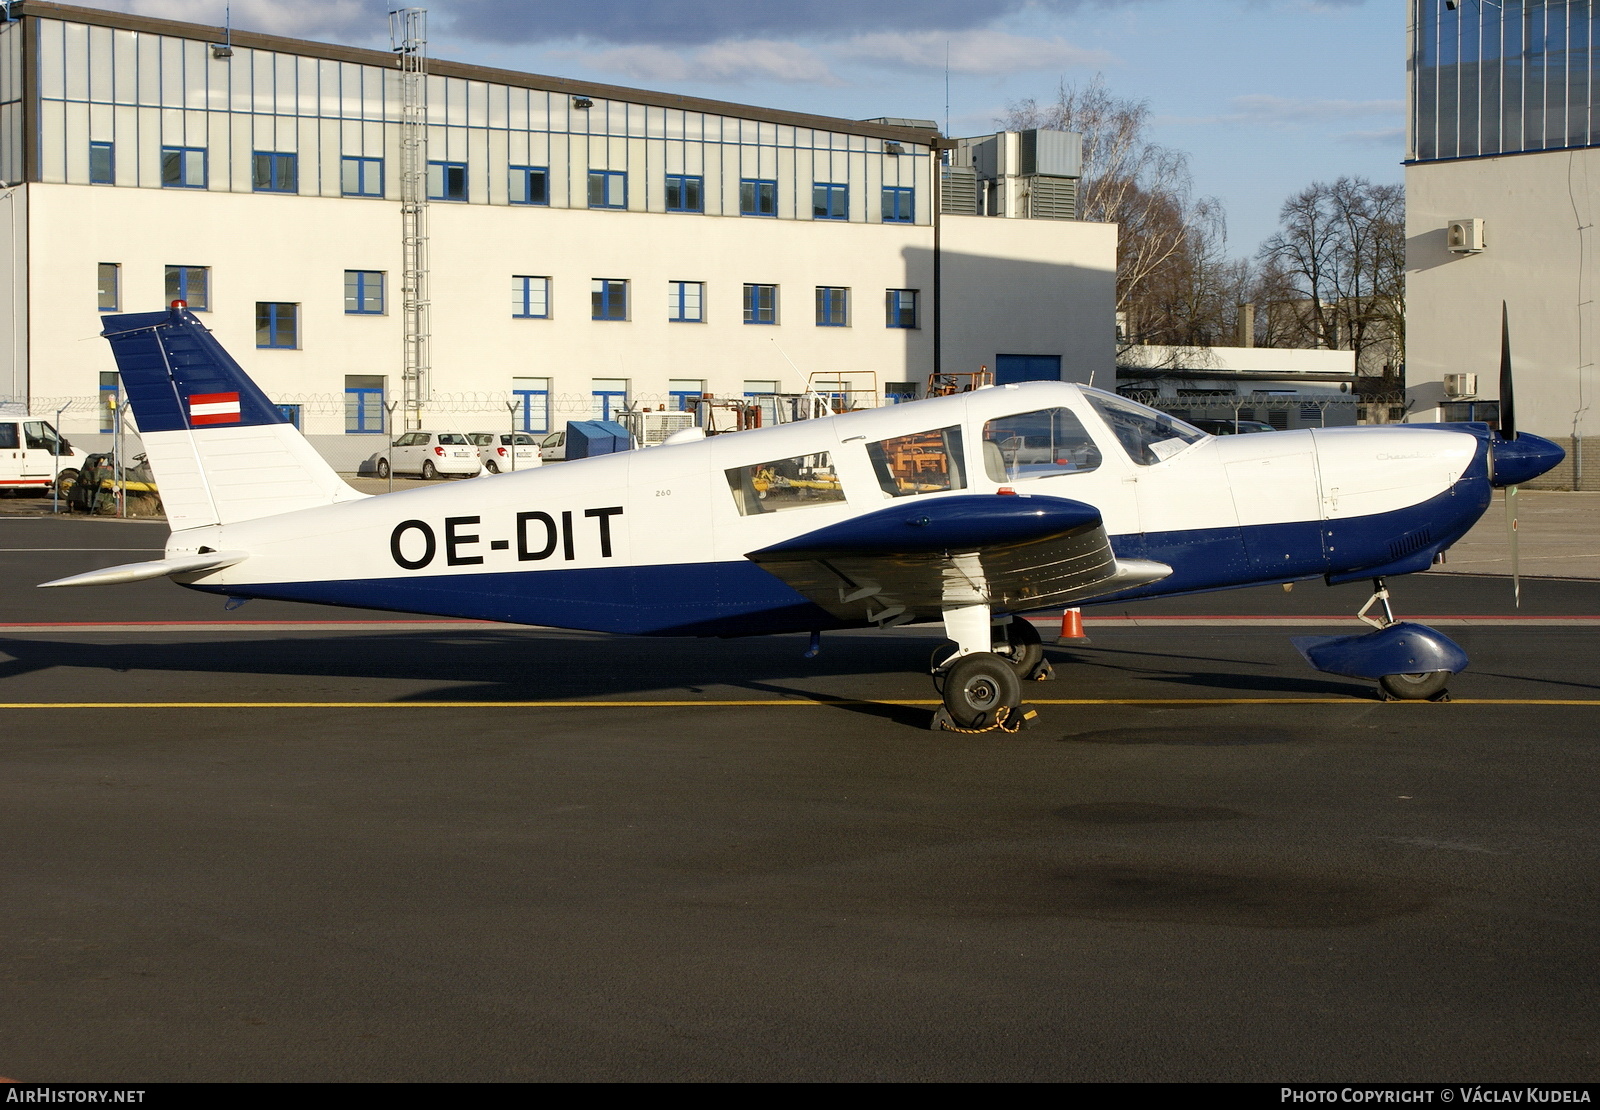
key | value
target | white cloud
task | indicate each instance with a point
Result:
(976, 52)
(756, 59)
(1387, 137)
(1283, 113)
(337, 20)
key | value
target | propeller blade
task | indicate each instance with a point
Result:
(1508, 408)
(1511, 535)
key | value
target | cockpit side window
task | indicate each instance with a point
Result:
(926, 462)
(1147, 435)
(1038, 444)
(796, 483)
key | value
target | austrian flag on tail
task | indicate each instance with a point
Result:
(214, 408)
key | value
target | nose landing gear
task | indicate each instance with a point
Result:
(1411, 662)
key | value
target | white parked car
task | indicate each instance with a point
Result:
(503, 451)
(553, 447)
(431, 455)
(33, 455)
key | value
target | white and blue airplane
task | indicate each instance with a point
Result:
(970, 509)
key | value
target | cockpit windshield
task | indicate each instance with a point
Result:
(1147, 435)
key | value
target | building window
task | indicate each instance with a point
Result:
(830, 202)
(191, 285)
(899, 205)
(295, 415)
(447, 181)
(686, 302)
(609, 299)
(758, 198)
(610, 397)
(902, 308)
(532, 396)
(363, 403)
(761, 304)
(275, 173)
(363, 292)
(361, 177)
(685, 193)
(530, 298)
(685, 392)
(183, 167)
(833, 306)
(110, 286)
(102, 164)
(277, 325)
(608, 189)
(110, 396)
(529, 185)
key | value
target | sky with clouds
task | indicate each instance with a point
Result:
(1266, 96)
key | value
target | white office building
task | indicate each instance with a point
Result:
(588, 247)
(1502, 202)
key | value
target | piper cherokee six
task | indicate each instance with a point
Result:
(971, 509)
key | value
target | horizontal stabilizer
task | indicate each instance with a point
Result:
(156, 568)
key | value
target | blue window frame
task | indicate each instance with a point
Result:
(363, 292)
(609, 299)
(608, 189)
(684, 393)
(758, 197)
(361, 177)
(274, 173)
(294, 414)
(529, 185)
(899, 204)
(102, 164)
(530, 297)
(191, 285)
(110, 398)
(183, 167)
(363, 405)
(447, 181)
(686, 302)
(901, 308)
(761, 304)
(277, 325)
(533, 405)
(833, 306)
(830, 202)
(610, 397)
(686, 193)
(110, 286)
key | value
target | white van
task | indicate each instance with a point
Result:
(33, 455)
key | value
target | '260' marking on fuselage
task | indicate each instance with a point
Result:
(537, 537)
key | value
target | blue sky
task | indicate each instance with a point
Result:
(1266, 96)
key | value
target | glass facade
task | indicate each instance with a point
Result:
(1487, 78)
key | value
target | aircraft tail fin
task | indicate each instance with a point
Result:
(222, 452)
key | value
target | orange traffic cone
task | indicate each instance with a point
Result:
(1072, 628)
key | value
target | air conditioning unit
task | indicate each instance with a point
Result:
(1461, 385)
(1466, 235)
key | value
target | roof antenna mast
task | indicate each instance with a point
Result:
(408, 33)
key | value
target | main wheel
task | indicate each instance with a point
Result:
(491, 467)
(428, 472)
(383, 468)
(1026, 651)
(1415, 687)
(977, 687)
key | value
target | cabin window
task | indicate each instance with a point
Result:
(926, 462)
(1147, 435)
(796, 483)
(1038, 444)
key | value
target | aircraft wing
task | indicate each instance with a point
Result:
(913, 561)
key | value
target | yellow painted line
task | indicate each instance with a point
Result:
(734, 703)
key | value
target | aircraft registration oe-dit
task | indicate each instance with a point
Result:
(971, 509)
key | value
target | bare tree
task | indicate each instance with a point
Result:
(1337, 267)
(1143, 187)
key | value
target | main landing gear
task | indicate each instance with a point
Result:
(981, 681)
(1411, 662)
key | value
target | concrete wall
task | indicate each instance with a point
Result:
(1540, 258)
